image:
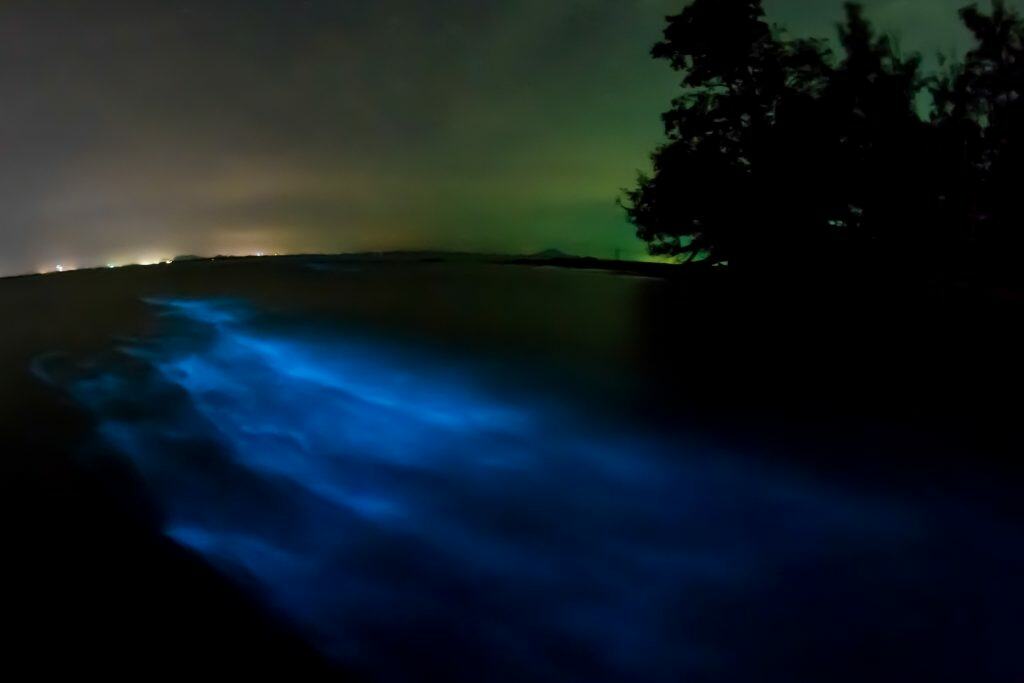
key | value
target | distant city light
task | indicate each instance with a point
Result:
(146, 261)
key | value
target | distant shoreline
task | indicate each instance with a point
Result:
(551, 259)
(801, 285)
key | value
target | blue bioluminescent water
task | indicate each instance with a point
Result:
(415, 521)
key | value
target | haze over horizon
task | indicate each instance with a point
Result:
(136, 131)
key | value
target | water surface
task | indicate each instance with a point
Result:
(415, 512)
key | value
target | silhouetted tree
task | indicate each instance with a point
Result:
(980, 112)
(779, 156)
(880, 168)
(703, 199)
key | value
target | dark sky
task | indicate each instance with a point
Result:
(140, 130)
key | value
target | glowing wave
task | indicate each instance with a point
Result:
(416, 525)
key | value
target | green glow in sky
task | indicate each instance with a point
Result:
(147, 127)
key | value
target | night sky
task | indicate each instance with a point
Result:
(138, 130)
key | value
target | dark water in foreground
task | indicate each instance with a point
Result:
(417, 513)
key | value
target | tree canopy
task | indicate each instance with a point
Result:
(783, 153)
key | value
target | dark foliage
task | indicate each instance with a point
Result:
(783, 155)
